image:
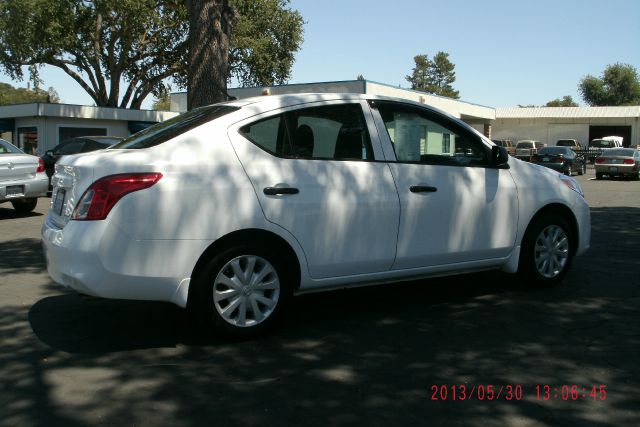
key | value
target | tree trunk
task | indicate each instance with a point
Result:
(210, 25)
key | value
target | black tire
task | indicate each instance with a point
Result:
(582, 169)
(567, 171)
(542, 268)
(25, 205)
(209, 309)
(599, 175)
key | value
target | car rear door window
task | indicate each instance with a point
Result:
(327, 132)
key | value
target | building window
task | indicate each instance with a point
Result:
(66, 133)
(446, 143)
(28, 139)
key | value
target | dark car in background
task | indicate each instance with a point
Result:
(80, 144)
(562, 159)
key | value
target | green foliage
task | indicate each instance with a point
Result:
(100, 43)
(566, 101)
(619, 85)
(11, 95)
(162, 101)
(264, 42)
(434, 76)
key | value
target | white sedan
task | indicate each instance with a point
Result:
(232, 208)
(22, 178)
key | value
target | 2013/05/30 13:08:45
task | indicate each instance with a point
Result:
(510, 392)
(571, 392)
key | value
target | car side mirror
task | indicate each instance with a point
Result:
(499, 156)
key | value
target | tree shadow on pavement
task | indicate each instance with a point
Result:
(361, 356)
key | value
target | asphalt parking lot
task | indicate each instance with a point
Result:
(369, 356)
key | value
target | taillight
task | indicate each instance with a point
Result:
(600, 160)
(40, 165)
(628, 161)
(98, 200)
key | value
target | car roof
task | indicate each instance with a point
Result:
(269, 102)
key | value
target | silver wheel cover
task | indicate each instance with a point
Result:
(246, 291)
(551, 251)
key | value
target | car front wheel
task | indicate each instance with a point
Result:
(242, 291)
(547, 251)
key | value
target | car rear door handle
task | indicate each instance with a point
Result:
(422, 189)
(273, 191)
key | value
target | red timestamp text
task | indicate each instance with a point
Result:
(571, 392)
(479, 392)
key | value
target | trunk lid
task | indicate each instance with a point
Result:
(14, 166)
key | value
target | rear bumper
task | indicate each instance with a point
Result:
(33, 187)
(616, 170)
(96, 258)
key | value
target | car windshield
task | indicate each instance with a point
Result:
(620, 152)
(601, 143)
(7, 148)
(566, 143)
(554, 150)
(164, 131)
(525, 145)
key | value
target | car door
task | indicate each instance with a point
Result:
(314, 171)
(455, 208)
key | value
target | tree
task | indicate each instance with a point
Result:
(264, 42)
(122, 51)
(162, 101)
(11, 95)
(566, 101)
(435, 76)
(619, 85)
(210, 25)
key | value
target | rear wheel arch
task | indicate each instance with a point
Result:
(259, 237)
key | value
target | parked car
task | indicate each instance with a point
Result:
(571, 143)
(527, 148)
(598, 145)
(230, 209)
(618, 162)
(507, 144)
(22, 178)
(81, 144)
(562, 159)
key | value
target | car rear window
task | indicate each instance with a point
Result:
(164, 131)
(525, 145)
(6, 148)
(554, 150)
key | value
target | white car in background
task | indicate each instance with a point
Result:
(22, 178)
(232, 208)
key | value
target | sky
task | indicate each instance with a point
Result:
(506, 52)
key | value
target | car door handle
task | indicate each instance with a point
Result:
(422, 189)
(272, 191)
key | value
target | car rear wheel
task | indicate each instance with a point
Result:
(242, 291)
(25, 205)
(583, 169)
(599, 175)
(547, 251)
